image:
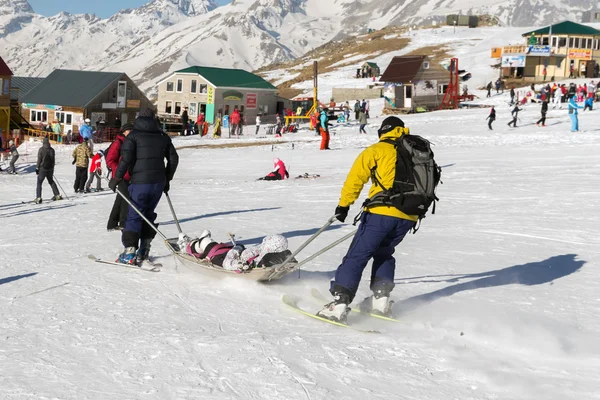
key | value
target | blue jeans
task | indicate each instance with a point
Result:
(145, 197)
(574, 122)
(377, 238)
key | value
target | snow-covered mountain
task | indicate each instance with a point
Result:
(164, 35)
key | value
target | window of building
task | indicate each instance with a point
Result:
(554, 41)
(193, 109)
(425, 64)
(589, 44)
(597, 16)
(442, 89)
(596, 44)
(177, 107)
(1, 87)
(571, 42)
(179, 85)
(203, 88)
(562, 42)
(169, 107)
(545, 41)
(170, 86)
(38, 116)
(194, 86)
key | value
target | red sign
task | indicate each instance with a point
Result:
(251, 100)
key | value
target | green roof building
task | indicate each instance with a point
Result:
(557, 51)
(215, 92)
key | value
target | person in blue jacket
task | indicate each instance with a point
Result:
(573, 106)
(86, 131)
(589, 103)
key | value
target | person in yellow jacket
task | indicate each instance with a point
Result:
(81, 159)
(217, 130)
(381, 229)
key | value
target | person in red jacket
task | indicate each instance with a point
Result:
(95, 172)
(235, 120)
(118, 214)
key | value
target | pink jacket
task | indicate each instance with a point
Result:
(279, 167)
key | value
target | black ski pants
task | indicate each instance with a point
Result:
(80, 178)
(490, 120)
(120, 208)
(49, 175)
(513, 122)
(13, 160)
(542, 120)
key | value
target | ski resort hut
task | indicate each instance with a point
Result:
(215, 91)
(5, 90)
(369, 70)
(69, 97)
(414, 83)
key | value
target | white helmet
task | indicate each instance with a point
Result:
(88, 120)
(10, 142)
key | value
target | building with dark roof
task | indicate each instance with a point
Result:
(562, 50)
(69, 96)
(6, 76)
(215, 91)
(414, 83)
(22, 85)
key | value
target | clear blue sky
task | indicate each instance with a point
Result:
(102, 8)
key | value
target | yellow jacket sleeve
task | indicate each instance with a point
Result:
(359, 175)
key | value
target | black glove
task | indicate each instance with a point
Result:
(114, 182)
(341, 213)
(167, 187)
(37, 171)
(74, 161)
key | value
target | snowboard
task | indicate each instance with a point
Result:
(292, 302)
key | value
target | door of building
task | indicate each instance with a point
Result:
(408, 96)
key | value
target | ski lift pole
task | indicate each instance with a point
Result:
(173, 212)
(310, 239)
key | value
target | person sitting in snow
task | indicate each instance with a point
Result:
(273, 250)
(279, 172)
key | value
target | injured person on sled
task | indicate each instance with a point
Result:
(236, 257)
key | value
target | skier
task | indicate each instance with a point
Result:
(489, 89)
(279, 172)
(382, 228)
(324, 128)
(118, 214)
(491, 118)
(272, 250)
(362, 119)
(515, 115)
(15, 156)
(45, 170)
(544, 111)
(573, 106)
(86, 131)
(95, 172)
(142, 155)
(81, 160)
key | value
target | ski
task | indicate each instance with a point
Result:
(147, 266)
(319, 296)
(292, 302)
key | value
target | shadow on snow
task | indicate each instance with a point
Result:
(16, 278)
(217, 214)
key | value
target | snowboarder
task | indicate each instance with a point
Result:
(573, 106)
(118, 214)
(279, 172)
(45, 170)
(544, 111)
(515, 115)
(324, 129)
(15, 156)
(95, 172)
(272, 250)
(382, 228)
(143, 155)
(81, 160)
(491, 118)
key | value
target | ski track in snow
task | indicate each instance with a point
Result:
(498, 290)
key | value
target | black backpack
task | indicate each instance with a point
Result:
(417, 176)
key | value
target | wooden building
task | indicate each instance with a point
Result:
(69, 97)
(215, 91)
(5, 90)
(414, 83)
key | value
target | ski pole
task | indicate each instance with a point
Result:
(60, 186)
(173, 212)
(310, 239)
(134, 208)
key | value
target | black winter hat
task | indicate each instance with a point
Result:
(147, 113)
(389, 124)
(126, 127)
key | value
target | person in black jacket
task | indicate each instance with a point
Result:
(143, 155)
(45, 170)
(515, 115)
(15, 156)
(544, 111)
(491, 118)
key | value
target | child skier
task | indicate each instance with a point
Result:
(95, 172)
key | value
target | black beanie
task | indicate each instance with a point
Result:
(389, 124)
